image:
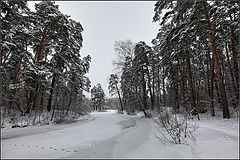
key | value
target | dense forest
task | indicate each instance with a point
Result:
(177, 97)
(191, 65)
(42, 72)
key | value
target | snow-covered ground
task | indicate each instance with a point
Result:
(112, 135)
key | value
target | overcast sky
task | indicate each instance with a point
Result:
(104, 23)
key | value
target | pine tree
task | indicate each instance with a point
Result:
(113, 88)
(98, 98)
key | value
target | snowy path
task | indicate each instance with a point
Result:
(83, 140)
(110, 135)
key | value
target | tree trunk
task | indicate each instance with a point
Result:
(153, 84)
(150, 88)
(164, 91)
(217, 91)
(192, 94)
(69, 103)
(144, 94)
(211, 85)
(41, 46)
(120, 99)
(235, 65)
(139, 100)
(183, 87)
(158, 87)
(218, 69)
(54, 107)
(49, 105)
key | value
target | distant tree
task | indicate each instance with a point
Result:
(98, 98)
(123, 49)
(112, 103)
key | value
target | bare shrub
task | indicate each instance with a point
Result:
(174, 129)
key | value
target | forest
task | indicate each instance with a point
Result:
(178, 97)
(191, 65)
(42, 72)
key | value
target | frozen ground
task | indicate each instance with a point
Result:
(111, 135)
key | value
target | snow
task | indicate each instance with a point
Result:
(215, 138)
(112, 135)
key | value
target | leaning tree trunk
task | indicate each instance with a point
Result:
(120, 99)
(140, 104)
(218, 69)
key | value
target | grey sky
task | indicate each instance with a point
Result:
(104, 23)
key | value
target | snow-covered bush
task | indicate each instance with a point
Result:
(174, 128)
(62, 118)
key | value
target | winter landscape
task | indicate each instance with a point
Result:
(157, 79)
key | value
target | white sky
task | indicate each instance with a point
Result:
(104, 23)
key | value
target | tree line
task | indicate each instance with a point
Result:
(41, 66)
(193, 63)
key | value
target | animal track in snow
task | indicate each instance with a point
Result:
(49, 148)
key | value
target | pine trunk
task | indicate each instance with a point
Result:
(235, 65)
(192, 94)
(150, 88)
(49, 105)
(183, 87)
(153, 84)
(164, 91)
(120, 99)
(211, 85)
(158, 88)
(218, 69)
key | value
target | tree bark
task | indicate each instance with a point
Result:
(218, 69)
(158, 88)
(49, 105)
(153, 84)
(164, 91)
(150, 88)
(139, 100)
(120, 99)
(40, 49)
(192, 94)
(183, 87)
(211, 85)
(235, 64)
(144, 94)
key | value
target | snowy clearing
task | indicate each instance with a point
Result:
(112, 135)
